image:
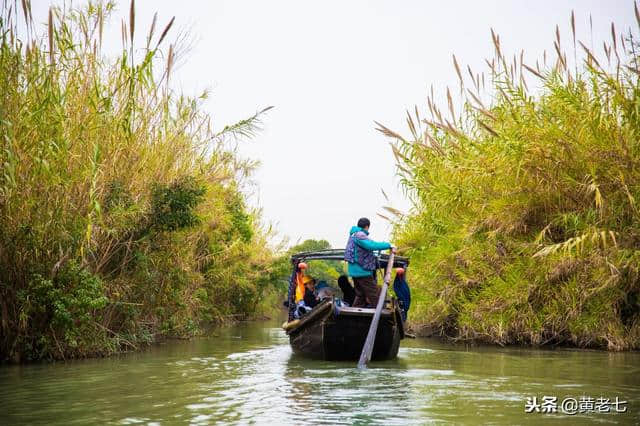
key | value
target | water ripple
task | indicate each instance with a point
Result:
(248, 375)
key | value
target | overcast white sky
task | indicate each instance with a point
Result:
(331, 68)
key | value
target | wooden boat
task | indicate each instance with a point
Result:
(334, 332)
(338, 333)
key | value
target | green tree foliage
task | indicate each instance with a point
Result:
(122, 217)
(327, 270)
(525, 226)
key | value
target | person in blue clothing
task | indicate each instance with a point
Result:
(362, 263)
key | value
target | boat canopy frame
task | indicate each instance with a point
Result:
(338, 254)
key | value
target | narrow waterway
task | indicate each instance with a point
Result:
(247, 374)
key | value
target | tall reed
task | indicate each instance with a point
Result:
(525, 226)
(122, 211)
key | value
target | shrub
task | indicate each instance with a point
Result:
(172, 206)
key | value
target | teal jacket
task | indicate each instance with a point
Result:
(354, 270)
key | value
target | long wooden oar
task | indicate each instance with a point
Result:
(367, 349)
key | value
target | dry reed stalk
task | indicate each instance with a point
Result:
(51, 33)
(164, 32)
(132, 20)
(455, 64)
(152, 30)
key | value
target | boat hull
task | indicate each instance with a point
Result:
(332, 333)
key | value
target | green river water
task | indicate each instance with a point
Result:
(247, 374)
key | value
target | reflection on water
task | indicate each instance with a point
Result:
(247, 374)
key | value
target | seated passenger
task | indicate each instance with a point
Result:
(348, 293)
(301, 279)
(309, 293)
(305, 298)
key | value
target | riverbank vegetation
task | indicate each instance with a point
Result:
(123, 214)
(525, 225)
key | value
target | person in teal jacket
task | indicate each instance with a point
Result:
(362, 263)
